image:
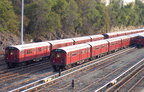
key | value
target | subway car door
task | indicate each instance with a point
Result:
(13, 55)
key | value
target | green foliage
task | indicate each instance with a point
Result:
(8, 19)
(72, 20)
(80, 16)
(42, 18)
(128, 15)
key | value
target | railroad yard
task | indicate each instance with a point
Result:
(120, 71)
(72, 46)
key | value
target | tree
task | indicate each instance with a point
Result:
(42, 18)
(8, 19)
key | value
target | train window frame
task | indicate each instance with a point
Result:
(83, 51)
(11, 52)
(58, 55)
(29, 51)
(74, 54)
(39, 49)
(96, 48)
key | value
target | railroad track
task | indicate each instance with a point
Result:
(38, 85)
(105, 78)
(25, 73)
(5, 76)
(137, 84)
(21, 68)
(105, 87)
(125, 84)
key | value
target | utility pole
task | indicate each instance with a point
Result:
(121, 3)
(22, 14)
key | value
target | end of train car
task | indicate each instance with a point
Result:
(27, 53)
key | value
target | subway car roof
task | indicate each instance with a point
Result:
(28, 46)
(140, 33)
(124, 37)
(133, 35)
(96, 36)
(121, 32)
(98, 42)
(113, 39)
(60, 41)
(74, 47)
(80, 38)
(115, 33)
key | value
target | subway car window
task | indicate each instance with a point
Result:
(97, 48)
(58, 55)
(74, 54)
(39, 49)
(29, 51)
(11, 52)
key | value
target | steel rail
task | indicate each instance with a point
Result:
(54, 77)
(104, 86)
(142, 77)
(128, 78)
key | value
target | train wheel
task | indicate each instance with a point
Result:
(10, 65)
(22, 64)
(73, 65)
(57, 68)
(54, 67)
(90, 59)
(68, 67)
(86, 60)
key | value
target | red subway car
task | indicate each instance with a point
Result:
(125, 41)
(98, 48)
(140, 40)
(114, 44)
(133, 39)
(110, 35)
(15, 55)
(96, 37)
(60, 43)
(80, 40)
(37, 51)
(67, 56)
